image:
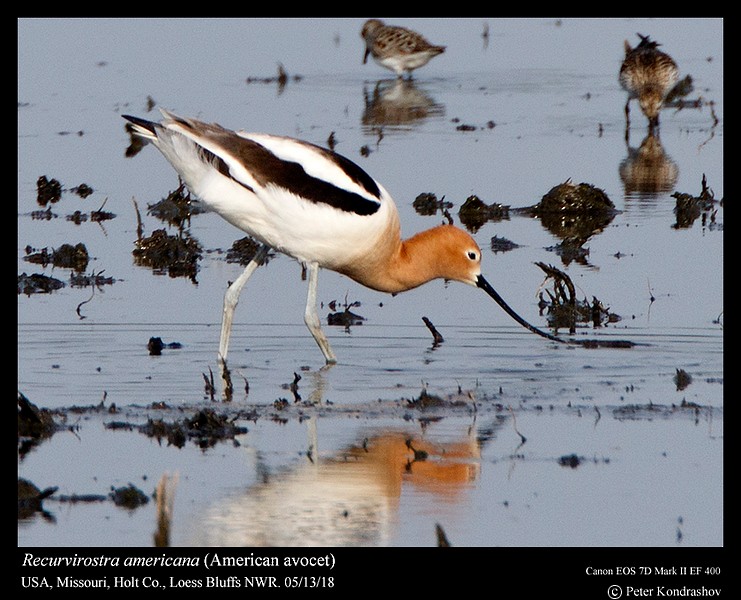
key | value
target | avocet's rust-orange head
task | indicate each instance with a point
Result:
(443, 252)
(458, 255)
(461, 256)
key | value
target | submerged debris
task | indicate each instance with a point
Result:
(176, 255)
(37, 284)
(34, 425)
(564, 311)
(280, 404)
(77, 217)
(205, 428)
(155, 345)
(83, 190)
(474, 213)
(210, 386)
(176, 208)
(427, 400)
(427, 204)
(75, 498)
(30, 498)
(651, 410)
(66, 256)
(244, 250)
(500, 244)
(78, 280)
(689, 208)
(682, 379)
(570, 198)
(129, 497)
(344, 318)
(436, 335)
(468, 127)
(293, 388)
(97, 216)
(569, 460)
(33, 422)
(573, 213)
(48, 190)
(281, 79)
(43, 215)
(94, 282)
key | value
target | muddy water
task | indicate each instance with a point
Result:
(498, 436)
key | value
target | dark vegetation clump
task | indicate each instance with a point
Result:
(344, 317)
(244, 250)
(48, 191)
(564, 310)
(176, 255)
(427, 204)
(66, 256)
(36, 283)
(474, 213)
(128, 496)
(205, 429)
(689, 208)
(176, 208)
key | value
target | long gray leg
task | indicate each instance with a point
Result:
(311, 318)
(231, 298)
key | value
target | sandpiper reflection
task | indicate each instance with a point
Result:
(397, 103)
(648, 171)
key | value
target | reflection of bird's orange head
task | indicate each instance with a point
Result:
(441, 468)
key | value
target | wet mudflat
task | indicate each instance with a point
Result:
(496, 435)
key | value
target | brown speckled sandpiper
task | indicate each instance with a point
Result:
(397, 48)
(647, 74)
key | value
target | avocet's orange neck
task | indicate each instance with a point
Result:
(443, 252)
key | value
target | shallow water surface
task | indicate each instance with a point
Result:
(498, 436)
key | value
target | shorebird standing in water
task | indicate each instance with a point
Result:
(397, 48)
(316, 206)
(647, 74)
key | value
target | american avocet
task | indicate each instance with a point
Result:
(397, 48)
(647, 74)
(314, 205)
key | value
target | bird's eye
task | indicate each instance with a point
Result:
(472, 255)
